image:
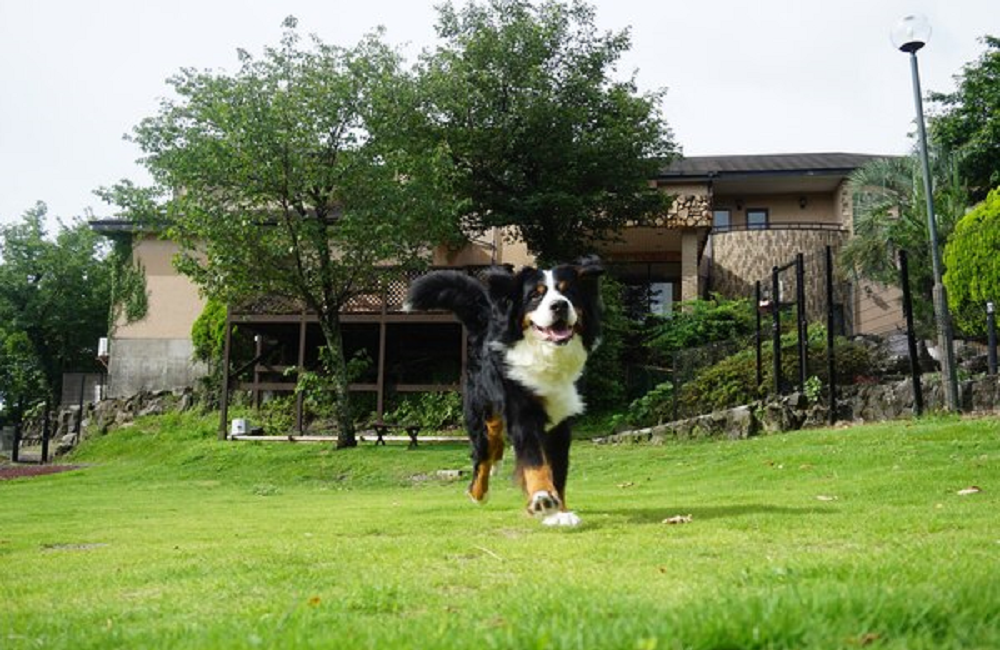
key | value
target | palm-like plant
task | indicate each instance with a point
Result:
(890, 215)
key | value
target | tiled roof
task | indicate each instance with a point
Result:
(702, 166)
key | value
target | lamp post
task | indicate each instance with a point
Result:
(909, 35)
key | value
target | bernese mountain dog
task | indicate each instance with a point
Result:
(529, 335)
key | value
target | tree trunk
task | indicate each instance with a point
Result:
(330, 324)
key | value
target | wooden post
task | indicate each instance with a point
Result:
(258, 349)
(224, 397)
(300, 398)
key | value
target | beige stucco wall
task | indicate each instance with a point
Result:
(497, 245)
(782, 208)
(174, 303)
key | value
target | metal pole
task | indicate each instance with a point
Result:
(757, 338)
(803, 326)
(45, 432)
(776, 331)
(942, 317)
(831, 368)
(911, 339)
(991, 332)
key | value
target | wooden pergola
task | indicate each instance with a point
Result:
(281, 327)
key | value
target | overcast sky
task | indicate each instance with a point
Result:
(743, 76)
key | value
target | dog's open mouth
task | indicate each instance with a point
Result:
(559, 333)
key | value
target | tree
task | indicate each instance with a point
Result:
(890, 215)
(973, 275)
(54, 301)
(969, 125)
(543, 139)
(294, 177)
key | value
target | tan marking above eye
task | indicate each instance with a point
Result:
(563, 285)
(540, 289)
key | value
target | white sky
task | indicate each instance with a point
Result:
(743, 76)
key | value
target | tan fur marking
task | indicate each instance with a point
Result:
(537, 479)
(494, 436)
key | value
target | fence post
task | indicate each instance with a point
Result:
(911, 341)
(45, 432)
(776, 332)
(991, 332)
(757, 338)
(831, 367)
(803, 326)
(15, 452)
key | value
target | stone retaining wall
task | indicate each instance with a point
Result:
(858, 404)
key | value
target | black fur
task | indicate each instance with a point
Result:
(498, 313)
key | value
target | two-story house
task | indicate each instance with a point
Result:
(732, 219)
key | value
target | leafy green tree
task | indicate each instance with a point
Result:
(54, 301)
(969, 124)
(971, 256)
(543, 139)
(890, 215)
(295, 177)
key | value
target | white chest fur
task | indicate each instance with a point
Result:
(550, 371)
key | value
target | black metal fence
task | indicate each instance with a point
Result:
(788, 303)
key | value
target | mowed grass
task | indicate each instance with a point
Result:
(841, 538)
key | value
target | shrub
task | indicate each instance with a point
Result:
(429, 411)
(603, 383)
(699, 322)
(973, 266)
(733, 381)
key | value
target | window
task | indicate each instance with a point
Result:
(661, 298)
(721, 220)
(756, 218)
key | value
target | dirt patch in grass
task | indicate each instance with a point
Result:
(8, 472)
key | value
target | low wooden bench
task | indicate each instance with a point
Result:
(381, 429)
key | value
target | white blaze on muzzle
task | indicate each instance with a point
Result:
(555, 318)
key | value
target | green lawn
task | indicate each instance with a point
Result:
(844, 538)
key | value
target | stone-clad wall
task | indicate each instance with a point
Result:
(687, 211)
(740, 258)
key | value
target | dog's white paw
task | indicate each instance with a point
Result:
(543, 503)
(562, 519)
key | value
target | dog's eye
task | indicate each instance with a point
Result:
(562, 286)
(540, 289)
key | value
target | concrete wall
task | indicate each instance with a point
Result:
(151, 365)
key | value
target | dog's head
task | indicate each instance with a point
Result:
(554, 305)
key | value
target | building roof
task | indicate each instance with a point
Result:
(699, 167)
(765, 174)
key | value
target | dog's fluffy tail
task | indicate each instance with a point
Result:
(453, 291)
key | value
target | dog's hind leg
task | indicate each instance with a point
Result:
(487, 451)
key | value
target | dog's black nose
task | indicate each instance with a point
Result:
(560, 308)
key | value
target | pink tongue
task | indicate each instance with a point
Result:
(557, 333)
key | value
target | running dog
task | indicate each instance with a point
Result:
(529, 335)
